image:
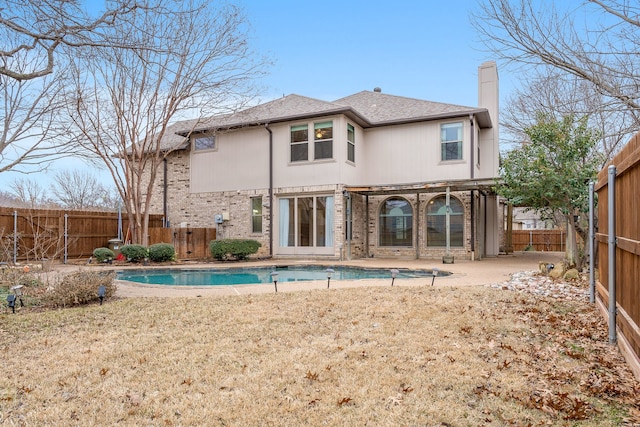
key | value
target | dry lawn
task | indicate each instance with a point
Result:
(392, 356)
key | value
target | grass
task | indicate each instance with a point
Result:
(467, 356)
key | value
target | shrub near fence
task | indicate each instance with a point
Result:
(41, 234)
(627, 248)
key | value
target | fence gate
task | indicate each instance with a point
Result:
(189, 243)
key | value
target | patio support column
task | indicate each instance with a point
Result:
(447, 216)
(472, 216)
(366, 225)
(418, 219)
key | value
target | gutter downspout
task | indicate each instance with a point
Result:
(471, 144)
(164, 193)
(471, 176)
(271, 202)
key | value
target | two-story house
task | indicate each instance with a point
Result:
(368, 175)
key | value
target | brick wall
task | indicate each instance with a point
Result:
(198, 210)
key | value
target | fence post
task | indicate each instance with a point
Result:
(15, 237)
(592, 237)
(611, 240)
(66, 236)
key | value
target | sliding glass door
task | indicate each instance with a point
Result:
(305, 225)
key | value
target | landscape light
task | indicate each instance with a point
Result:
(274, 277)
(11, 302)
(434, 273)
(330, 272)
(101, 293)
(18, 291)
(394, 274)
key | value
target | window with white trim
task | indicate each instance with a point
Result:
(256, 214)
(323, 140)
(351, 143)
(451, 141)
(299, 143)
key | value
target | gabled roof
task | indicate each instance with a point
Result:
(368, 109)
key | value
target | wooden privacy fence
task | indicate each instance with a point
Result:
(627, 249)
(539, 240)
(36, 234)
(190, 243)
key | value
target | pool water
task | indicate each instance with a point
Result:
(257, 275)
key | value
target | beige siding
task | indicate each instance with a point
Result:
(411, 153)
(240, 162)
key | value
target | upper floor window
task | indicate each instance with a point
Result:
(351, 143)
(204, 142)
(323, 140)
(299, 143)
(451, 141)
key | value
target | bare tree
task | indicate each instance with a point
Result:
(596, 41)
(82, 190)
(30, 194)
(40, 29)
(192, 56)
(36, 38)
(556, 94)
(7, 199)
(30, 131)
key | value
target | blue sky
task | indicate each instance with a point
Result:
(424, 49)
(417, 48)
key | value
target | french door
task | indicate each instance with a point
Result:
(306, 225)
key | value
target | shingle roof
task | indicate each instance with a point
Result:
(379, 108)
(282, 109)
(368, 109)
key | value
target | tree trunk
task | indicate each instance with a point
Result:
(573, 257)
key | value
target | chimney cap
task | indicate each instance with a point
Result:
(377, 89)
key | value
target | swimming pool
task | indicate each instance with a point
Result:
(257, 275)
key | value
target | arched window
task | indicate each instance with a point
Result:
(396, 223)
(436, 222)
